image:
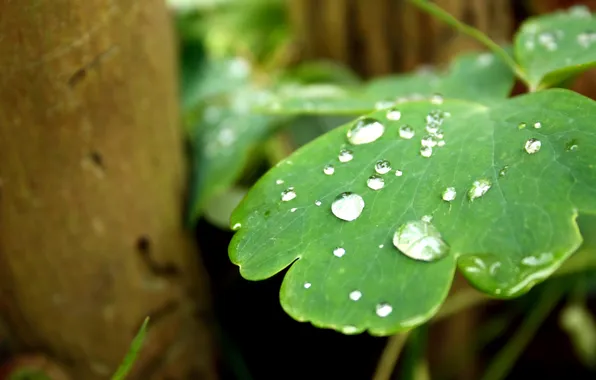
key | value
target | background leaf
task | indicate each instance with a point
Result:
(131, 356)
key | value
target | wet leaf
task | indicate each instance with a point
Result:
(555, 47)
(521, 169)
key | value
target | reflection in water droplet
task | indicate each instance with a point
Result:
(521, 125)
(236, 227)
(428, 141)
(365, 130)
(449, 194)
(393, 114)
(479, 188)
(406, 132)
(318, 203)
(347, 206)
(503, 171)
(328, 169)
(420, 240)
(383, 309)
(398, 173)
(279, 182)
(383, 167)
(436, 99)
(293, 209)
(375, 182)
(426, 151)
(345, 155)
(532, 146)
(355, 295)
(571, 146)
(288, 194)
(339, 252)
(307, 285)
(538, 125)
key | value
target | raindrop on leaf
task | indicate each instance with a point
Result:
(365, 130)
(347, 206)
(420, 240)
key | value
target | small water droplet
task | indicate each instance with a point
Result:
(436, 99)
(479, 188)
(382, 167)
(436, 118)
(347, 206)
(420, 240)
(355, 295)
(427, 218)
(375, 182)
(537, 125)
(538, 261)
(571, 146)
(293, 209)
(307, 285)
(441, 143)
(398, 173)
(521, 125)
(382, 104)
(365, 130)
(236, 227)
(586, 39)
(426, 151)
(393, 114)
(318, 203)
(449, 194)
(503, 171)
(485, 59)
(532, 146)
(339, 252)
(548, 40)
(406, 132)
(288, 194)
(279, 182)
(345, 155)
(428, 141)
(383, 309)
(328, 169)
(349, 329)
(381, 245)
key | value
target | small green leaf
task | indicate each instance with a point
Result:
(133, 352)
(498, 200)
(554, 47)
(476, 76)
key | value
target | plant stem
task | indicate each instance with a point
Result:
(390, 355)
(441, 14)
(506, 358)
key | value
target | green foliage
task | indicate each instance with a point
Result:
(29, 374)
(133, 352)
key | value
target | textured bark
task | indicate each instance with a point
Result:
(91, 189)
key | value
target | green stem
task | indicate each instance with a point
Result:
(441, 14)
(390, 355)
(506, 358)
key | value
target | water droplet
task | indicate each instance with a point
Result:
(538, 125)
(381, 245)
(485, 59)
(318, 203)
(426, 151)
(449, 194)
(236, 227)
(521, 125)
(571, 146)
(349, 329)
(580, 11)
(398, 173)
(532, 146)
(420, 240)
(383, 309)
(355, 295)
(328, 169)
(503, 171)
(548, 40)
(382, 167)
(427, 218)
(345, 155)
(436, 117)
(307, 285)
(428, 141)
(538, 261)
(375, 182)
(339, 252)
(347, 206)
(393, 114)
(586, 39)
(406, 132)
(279, 182)
(479, 188)
(436, 99)
(288, 194)
(365, 130)
(382, 104)
(441, 143)
(293, 209)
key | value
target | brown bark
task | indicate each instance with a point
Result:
(91, 189)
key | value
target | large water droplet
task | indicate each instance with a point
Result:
(532, 146)
(345, 155)
(406, 132)
(347, 206)
(328, 169)
(365, 130)
(479, 188)
(383, 309)
(393, 114)
(420, 240)
(449, 194)
(375, 182)
(288, 194)
(339, 252)
(383, 167)
(426, 151)
(355, 295)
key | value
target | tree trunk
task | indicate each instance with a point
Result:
(91, 189)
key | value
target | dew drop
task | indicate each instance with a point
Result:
(426, 151)
(503, 171)
(383, 309)
(586, 39)
(521, 125)
(288, 194)
(318, 203)
(428, 141)
(236, 227)
(381, 245)
(538, 261)
(345, 155)
(328, 169)
(406, 132)
(479, 188)
(382, 167)
(355, 295)
(420, 240)
(382, 104)
(393, 114)
(485, 59)
(307, 285)
(349, 329)
(436, 99)
(365, 130)
(347, 206)
(339, 252)
(293, 209)
(548, 40)
(279, 182)
(398, 173)
(532, 146)
(449, 194)
(427, 218)
(441, 143)
(375, 182)
(538, 125)
(571, 146)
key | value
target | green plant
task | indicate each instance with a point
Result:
(133, 352)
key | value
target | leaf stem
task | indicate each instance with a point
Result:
(390, 355)
(441, 14)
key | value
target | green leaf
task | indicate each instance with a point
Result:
(505, 241)
(133, 352)
(554, 47)
(476, 76)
